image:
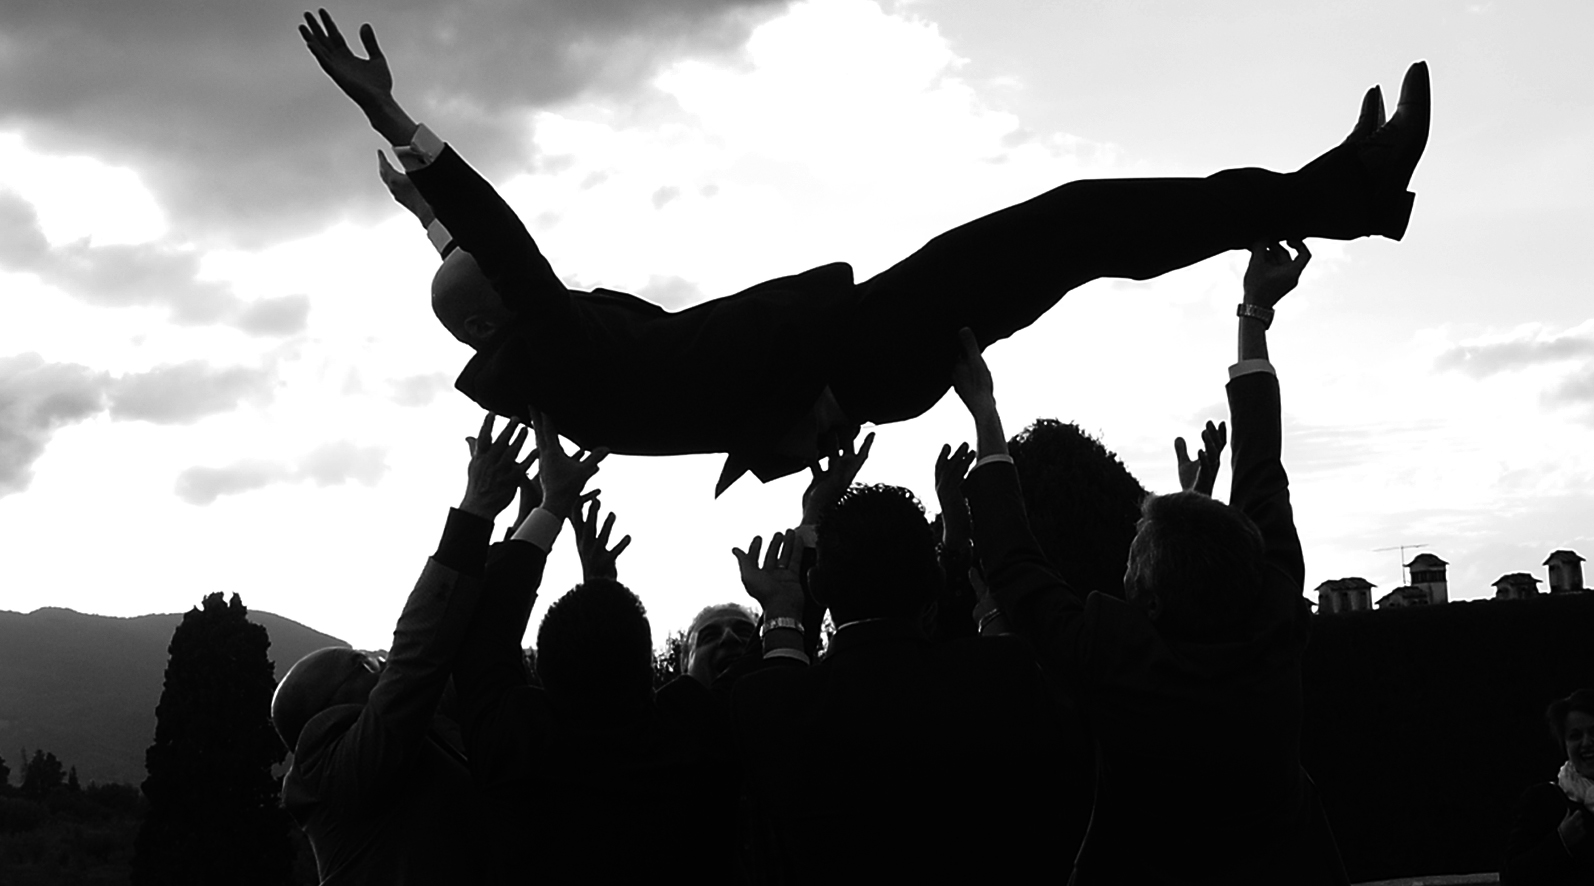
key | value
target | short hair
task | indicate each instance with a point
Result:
(306, 689)
(689, 640)
(595, 651)
(1581, 701)
(1203, 559)
(876, 555)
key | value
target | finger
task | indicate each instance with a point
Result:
(333, 34)
(312, 28)
(868, 442)
(815, 469)
(593, 458)
(620, 548)
(486, 433)
(471, 442)
(1303, 255)
(772, 556)
(368, 40)
(608, 526)
(1180, 450)
(753, 549)
(1223, 432)
(945, 456)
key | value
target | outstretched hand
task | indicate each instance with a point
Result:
(950, 469)
(828, 484)
(1201, 473)
(1273, 273)
(971, 378)
(495, 471)
(563, 477)
(597, 558)
(775, 585)
(367, 81)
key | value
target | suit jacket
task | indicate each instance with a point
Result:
(885, 761)
(571, 801)
(1534, 854)
(728, 375)
(380, 791)
(1198, 743)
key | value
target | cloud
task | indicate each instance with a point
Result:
(247, 136)
(1481, 360)
(330, 464)
(183, 393)
(420, 390)
(38, 397)
(141, 274)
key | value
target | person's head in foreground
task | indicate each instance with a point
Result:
(465, 302)
(1195, 567)
(595, 653)
(875, 557)
(716, 638)
(324, 678)
(1571, 721)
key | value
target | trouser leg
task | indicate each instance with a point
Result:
(1000, 273)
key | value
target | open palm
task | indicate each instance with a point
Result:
(365, 80)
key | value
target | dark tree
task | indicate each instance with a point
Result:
(214, 815)
(71, 780)
(41, 776)
(1083, 503)
(668, 663)
(5, 777)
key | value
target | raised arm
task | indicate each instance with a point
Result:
(1260, 487)
(1034, 599)
(399, 710)
(479, 221)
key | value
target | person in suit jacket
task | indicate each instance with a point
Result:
(1192, 686)
(874, 764)
(378, 783)
(776, 374)
(1552, 837)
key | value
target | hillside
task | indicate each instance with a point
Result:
(84, 687)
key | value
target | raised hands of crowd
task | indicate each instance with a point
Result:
(971, 379)
(563, 476)
(950, 469)
(827, 484)
(1272, 272)
(496, 469)
(592, 541)
(1200, 474)
(774, 582)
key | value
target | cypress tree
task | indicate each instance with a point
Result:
(214, 815)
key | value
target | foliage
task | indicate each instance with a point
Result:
(669, 663)
(214, 815)
(41, 776)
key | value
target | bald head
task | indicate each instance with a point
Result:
(325, 677)
(465, 302)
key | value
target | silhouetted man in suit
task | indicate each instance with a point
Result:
(377, 783)
(776, 374)
(1192, 687)
(877, 763)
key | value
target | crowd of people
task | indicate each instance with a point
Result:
(976, 713)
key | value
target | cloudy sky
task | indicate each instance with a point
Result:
(219, 370)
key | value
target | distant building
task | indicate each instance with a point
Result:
(1428, 575)
(1345, 595)
(1404, 596)
(1516, 586)
(1566, 572)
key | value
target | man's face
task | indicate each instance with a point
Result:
(1580, 742)
(719, 641)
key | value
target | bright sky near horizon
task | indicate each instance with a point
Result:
(219, 369)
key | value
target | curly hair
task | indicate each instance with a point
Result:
(876, 555)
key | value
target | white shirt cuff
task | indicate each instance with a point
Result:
(439, 236)
(794, 654)
(423, 148)
(540, 528)
(1000, 456)
(1246, 367)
